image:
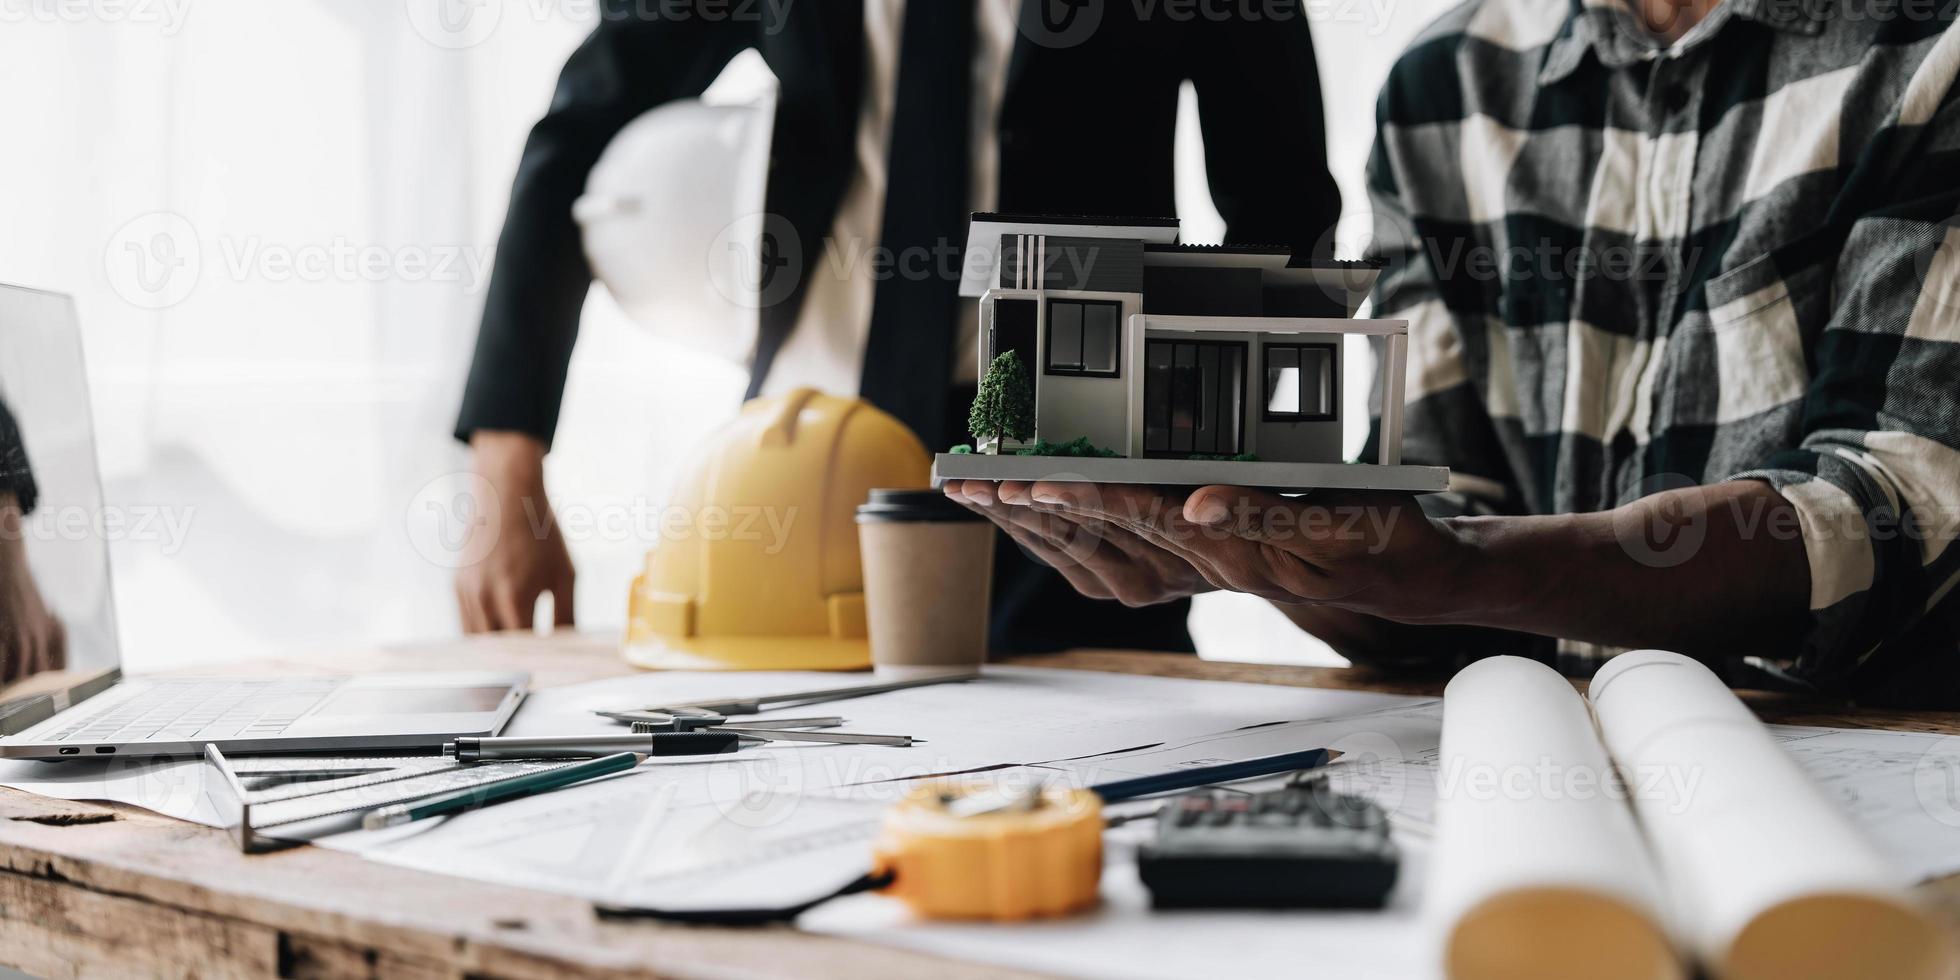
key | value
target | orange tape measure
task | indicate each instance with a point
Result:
(1032, 855)
(1040, 858)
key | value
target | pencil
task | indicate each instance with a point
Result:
(499, 791)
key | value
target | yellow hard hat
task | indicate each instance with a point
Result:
(766, 576)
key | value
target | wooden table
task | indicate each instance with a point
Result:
(92, 890)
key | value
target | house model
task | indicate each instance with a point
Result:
(1150, 361)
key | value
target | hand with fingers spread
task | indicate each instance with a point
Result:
(1368, 558)
(1101, 559)
(1366, 552)
(1369, 552)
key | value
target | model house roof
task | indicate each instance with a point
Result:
(1181, 253)
(980, 268)
(1357, 276)
(981, 263)
(1071, 220)
(1184, 247)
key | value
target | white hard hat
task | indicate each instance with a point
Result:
(671, 217)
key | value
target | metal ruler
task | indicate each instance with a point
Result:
(271, 803)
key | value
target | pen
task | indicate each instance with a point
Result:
(750, 706)
(1165, 782)
(503, 789)
(791, 735)
(587, 746)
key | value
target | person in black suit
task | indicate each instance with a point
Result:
(893, 121)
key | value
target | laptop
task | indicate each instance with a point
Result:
(69, 699)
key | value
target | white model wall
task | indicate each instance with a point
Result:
(1070, 407)
(1298, 442)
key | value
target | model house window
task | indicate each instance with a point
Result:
(1300, 382)
(1083, 336)
(1193, 397)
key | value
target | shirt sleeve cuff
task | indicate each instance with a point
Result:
(1837, 533)
(1842, 515)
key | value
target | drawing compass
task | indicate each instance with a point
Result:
(655, 721)
(723, 708)
(781, 733)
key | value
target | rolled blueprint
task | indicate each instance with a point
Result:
(1540, 872)
(1767, 876)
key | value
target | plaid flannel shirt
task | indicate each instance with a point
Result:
(1629, 266)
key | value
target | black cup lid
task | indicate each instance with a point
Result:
(912, 505)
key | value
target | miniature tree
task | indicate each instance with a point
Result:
(1004, 408)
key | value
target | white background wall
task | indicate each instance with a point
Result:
(276, 217)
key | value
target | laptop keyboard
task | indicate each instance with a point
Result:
(203, 710)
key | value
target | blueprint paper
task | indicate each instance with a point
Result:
(786, 820)
(1530, 824)
(725, 819)
(1754, 854)
(1010, 716)
(1901, 788)
(795, 821)
(174, 789)
(782, 847)
(1013, 715)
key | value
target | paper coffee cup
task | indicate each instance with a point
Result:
(928, 579)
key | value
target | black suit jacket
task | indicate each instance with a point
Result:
(1085, 128)
(1086, 124)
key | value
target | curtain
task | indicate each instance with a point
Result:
(277, 219)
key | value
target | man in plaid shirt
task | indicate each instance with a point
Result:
(1683, 285)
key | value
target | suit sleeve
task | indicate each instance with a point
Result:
(629, 64)
(1265, 133)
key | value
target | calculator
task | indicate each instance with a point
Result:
(1301, 846)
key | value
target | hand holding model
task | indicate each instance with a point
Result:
(1368, 552)
(1100, 559)
(518, 549)
(1343, 564)
(31, 637)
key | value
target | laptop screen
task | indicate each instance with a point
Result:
(57, 618)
